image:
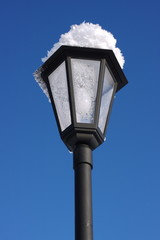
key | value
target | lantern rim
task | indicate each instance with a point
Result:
(86, 53)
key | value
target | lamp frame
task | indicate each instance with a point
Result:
(83, 133)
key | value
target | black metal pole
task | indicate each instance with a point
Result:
(83, 192)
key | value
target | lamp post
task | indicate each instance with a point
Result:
(81, 83)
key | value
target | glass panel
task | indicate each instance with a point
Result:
(107, 92)
(85, 81)
(59, 88)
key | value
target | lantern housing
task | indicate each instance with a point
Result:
(81, 83)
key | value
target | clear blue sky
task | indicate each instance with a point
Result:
(36, 175)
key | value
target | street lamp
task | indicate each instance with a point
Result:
(81, 83)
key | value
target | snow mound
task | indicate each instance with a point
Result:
(88, 35)
(83, 35)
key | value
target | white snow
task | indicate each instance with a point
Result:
(84, 35)
(88, 35)
(39, 80)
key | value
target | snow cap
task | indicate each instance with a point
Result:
(83, 35)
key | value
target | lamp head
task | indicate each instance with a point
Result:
(81, 83)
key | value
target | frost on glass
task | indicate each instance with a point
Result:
(85, 81)
(107, 92)
(58, 84)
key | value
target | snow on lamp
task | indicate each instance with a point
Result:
(80, 76)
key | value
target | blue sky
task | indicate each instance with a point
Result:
(36, 175)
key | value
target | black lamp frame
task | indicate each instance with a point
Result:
(83, 133)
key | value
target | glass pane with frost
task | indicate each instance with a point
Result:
(107, 92)
(59, 88)
(85, 81)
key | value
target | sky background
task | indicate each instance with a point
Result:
(36, 174)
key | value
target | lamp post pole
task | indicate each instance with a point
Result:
(83, 192)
